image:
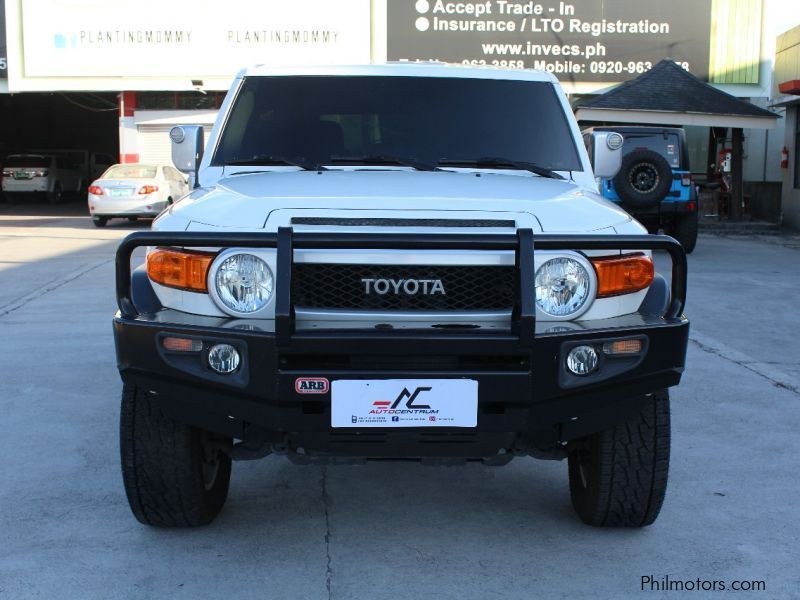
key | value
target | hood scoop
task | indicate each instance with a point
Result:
(384, 222)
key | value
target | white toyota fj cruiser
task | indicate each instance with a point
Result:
(397, 261)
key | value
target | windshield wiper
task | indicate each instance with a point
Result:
(379, 160)
(269, 160)
(496, 161)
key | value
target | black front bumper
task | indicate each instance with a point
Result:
(527, 401)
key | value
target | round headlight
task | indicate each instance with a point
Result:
(244, 283)
(563, 286)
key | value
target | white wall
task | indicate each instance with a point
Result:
(762, 148)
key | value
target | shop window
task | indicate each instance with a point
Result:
(196, 100)
(179, 100)
(155, 100)
(697, 143)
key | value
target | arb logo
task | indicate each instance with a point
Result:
(311, 385)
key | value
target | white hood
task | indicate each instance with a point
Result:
(270, 199)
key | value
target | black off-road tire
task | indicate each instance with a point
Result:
(100, 221)
(618, 477)
(167, 466)
(685, 230)
(56, 196)
(644, 179)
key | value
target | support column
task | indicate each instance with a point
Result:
(128, 138)
(737, 172)
(715, 134)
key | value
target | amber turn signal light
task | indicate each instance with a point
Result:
(182, 269)
(623, 274)
(618, 347)
(179, 344)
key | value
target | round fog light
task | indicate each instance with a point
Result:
(223, 358)
(582, 360)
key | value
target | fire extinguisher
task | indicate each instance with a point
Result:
(785, 158)
(724, 160)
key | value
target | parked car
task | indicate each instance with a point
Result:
(654, 183)
(412, 263)
(90, 164)
(135, 190)
(27, 176)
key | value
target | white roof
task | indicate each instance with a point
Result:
(403, 69)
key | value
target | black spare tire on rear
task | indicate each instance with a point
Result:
(644, 179)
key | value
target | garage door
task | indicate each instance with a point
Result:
(154, 144)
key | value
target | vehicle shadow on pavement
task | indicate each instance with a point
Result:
(36, 213)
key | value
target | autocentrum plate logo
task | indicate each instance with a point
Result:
(404, 403)
(386, 407)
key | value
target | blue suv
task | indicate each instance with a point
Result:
(655, 184)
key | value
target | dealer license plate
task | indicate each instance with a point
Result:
(404, 403)
(120, 192)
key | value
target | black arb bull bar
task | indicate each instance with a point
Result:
(534, 394)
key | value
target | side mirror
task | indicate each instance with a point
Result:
(605, 153)
(187, 149)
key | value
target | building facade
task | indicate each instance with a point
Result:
(787, 93)
(137, 71)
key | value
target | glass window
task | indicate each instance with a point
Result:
(697, 140)
(131, 172)
(155, 100)
(179, 100)
(27, 161)
(422, 118)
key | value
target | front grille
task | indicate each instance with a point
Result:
(340, 286)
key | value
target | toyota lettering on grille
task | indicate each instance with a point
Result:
(410, 287)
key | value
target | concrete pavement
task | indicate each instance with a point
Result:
(387, 530)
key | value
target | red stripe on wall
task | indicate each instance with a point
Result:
(129, 158)
(127, 103)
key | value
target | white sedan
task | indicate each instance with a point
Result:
(134, 190)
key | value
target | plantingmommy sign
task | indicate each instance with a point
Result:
(152, 38)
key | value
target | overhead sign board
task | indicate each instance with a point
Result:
(3, 54)
(577, 40)
(187, 38)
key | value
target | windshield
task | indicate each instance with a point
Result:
(311, 119)
(131, 172)
(27, 161)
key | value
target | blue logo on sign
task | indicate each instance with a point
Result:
(395, 419)
(61, 41)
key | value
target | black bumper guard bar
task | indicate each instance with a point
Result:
(285, 240)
